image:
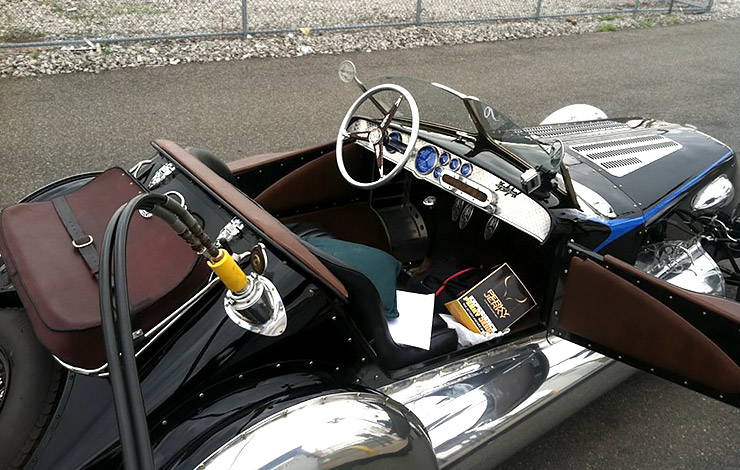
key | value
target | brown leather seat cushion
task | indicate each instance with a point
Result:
(57, 287)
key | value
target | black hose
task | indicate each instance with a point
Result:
(116, 318)
(118, 384)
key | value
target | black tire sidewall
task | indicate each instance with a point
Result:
(33, 381)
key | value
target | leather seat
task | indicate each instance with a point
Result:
(366, 309)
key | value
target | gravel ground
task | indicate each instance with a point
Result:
(64, 19)
(97, 58)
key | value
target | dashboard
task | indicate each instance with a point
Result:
(472, 184)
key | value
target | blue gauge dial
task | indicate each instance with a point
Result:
(444, 159)
(455, 164)
(396, 142)
(426, 158)
(437, 172)
(467, 169)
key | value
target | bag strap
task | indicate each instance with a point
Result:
(80, 240)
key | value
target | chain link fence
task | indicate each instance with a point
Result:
(31, 23)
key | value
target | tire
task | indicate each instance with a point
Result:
(30, 388)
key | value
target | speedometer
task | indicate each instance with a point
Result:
(426, 159)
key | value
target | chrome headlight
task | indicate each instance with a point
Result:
(684, 264)
(714, 196)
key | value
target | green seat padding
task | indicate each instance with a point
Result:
(378, 266)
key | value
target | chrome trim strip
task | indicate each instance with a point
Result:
(466, 404)
(151, 335)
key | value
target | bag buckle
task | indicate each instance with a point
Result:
(84, 244)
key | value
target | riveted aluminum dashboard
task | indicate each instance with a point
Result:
(479, 188)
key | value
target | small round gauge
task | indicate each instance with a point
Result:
(490, 228)
(395, 142)
(437, 172)
(457, 208)
(454, 164)
(444, 159)
(465, 216)
(466, 169)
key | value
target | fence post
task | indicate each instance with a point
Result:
(670, 8)
(637, 6)
(710, 4)
(538, 13)
(245, 19)
(418, 12)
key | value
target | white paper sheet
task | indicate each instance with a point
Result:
(413, 327)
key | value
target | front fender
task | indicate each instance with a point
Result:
(300, 418)
(347, 429)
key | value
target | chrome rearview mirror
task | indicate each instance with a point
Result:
(347, 71)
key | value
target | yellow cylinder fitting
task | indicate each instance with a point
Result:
(229, 272)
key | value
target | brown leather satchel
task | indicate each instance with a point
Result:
(51, 251)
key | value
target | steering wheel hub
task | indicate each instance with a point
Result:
(375, 136)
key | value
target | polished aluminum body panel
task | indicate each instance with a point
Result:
(467, 404)
(341, 429)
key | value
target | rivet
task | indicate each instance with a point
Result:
(357, 380)
(336, 368)
(241, 376)
(652, 370)
(333, 317)
(376, 377)
(637, 281)
(565, 271)
(164, 422)
(362, 359)
(670, 297)
(556, 313)
(685, 382)
(310, 363)
(703, 313)
(552, 331)
(619, 357)
(721, 396)
(588, 346)
(201, 395)
(349, 340)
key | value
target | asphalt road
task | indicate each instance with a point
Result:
(54, 126)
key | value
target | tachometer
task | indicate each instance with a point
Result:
(426, 159)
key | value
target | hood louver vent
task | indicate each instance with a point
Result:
(620, 157)
(554, 131)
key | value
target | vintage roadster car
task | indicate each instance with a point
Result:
(124, 344)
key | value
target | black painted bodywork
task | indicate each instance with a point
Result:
(206, 379)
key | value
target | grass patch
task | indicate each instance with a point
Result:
(606, 27)
(607, 17)
(19, 34)
(647, 23)
(673, 20)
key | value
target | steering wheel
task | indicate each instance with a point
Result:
(377, 136)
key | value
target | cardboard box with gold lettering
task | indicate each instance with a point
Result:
(493, 304)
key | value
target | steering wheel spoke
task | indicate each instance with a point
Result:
(378, 148)
(357, 135)
(391, 112)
